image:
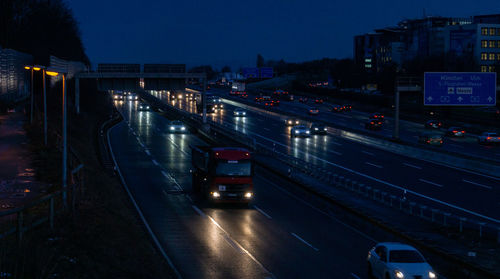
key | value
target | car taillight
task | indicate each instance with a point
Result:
(463, 132)
(372, 122)
(488, 138)
(455, 131)
(428, 141)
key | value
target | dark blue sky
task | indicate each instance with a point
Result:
(233, 32)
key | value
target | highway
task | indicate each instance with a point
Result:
(409, 131)
(465, 191)
(278, 236)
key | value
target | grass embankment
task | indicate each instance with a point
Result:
(106, 238)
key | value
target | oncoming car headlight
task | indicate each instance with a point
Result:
(432, 275)
(215, 194)
(172, 128)
(399, 274)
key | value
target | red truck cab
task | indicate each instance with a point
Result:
(222, 174)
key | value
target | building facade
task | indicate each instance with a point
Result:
(14, 79)
(476, 39)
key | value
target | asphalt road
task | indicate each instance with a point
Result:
(278, 236)
(468, 193)
(409, 131)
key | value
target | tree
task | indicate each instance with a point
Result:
(41, 28)
(226, 69)
(260, 60)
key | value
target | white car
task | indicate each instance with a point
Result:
(488, 138)
(177, 126)
(300, 131)
(132, 97)
(143, 107)
(391, 260)
(239, 112)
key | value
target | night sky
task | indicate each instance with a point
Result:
(233, 32)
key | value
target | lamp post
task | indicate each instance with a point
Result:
(31, 92)
(54, 73)
(37, 68)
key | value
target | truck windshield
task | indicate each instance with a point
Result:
(227, 168)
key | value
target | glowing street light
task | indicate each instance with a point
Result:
(55, 72)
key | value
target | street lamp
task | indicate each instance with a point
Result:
(31, 68)
(37, 68)
(53, 73)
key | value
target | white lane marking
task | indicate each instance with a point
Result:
(368, 153)
(320, 211)
(176, 145)
(412, 166)
(262, 212)
(171, 178)
(147, 152)
(155, 162)
(355, 276)
(240, 247)
(373, 165)
(430, 182)
(201, 213)
(140, 143)
(305, 242)
(396, 186)
(233, 244)
(153, 236)
(477, 184)
(189, 198)
(336, 143)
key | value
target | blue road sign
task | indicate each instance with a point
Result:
(460, 89)
(266, 72)
(251, 72)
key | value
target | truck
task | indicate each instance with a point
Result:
(222, 174)
(237, 88)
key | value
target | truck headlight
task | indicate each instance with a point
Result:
(215, 194)
(432, 275)
(248, 195)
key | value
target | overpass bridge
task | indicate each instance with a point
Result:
(132, 77)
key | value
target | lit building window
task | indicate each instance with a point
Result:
(492, 56)
(484, 31)
(493, 31)
(492, 44)
(491, 68)
(483, 69)
(484, 56)
(498, 56)
(498, 44)
(484, 44)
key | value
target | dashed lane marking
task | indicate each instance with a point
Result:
(262, 212)
(412, 166)
(477, 184)
(305, 242)
(373, 165)
(430, 182)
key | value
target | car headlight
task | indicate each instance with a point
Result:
(296, 122)
(432, 275)
(248, 195)
(244, 113)
(307, 132)
(147, 107)
(215, 194)
(315, 129)
(324, 129)
(183, 128)
(399, 274)
(296, 131)
(172, 128)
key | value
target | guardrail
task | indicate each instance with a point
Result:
(412, 203)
